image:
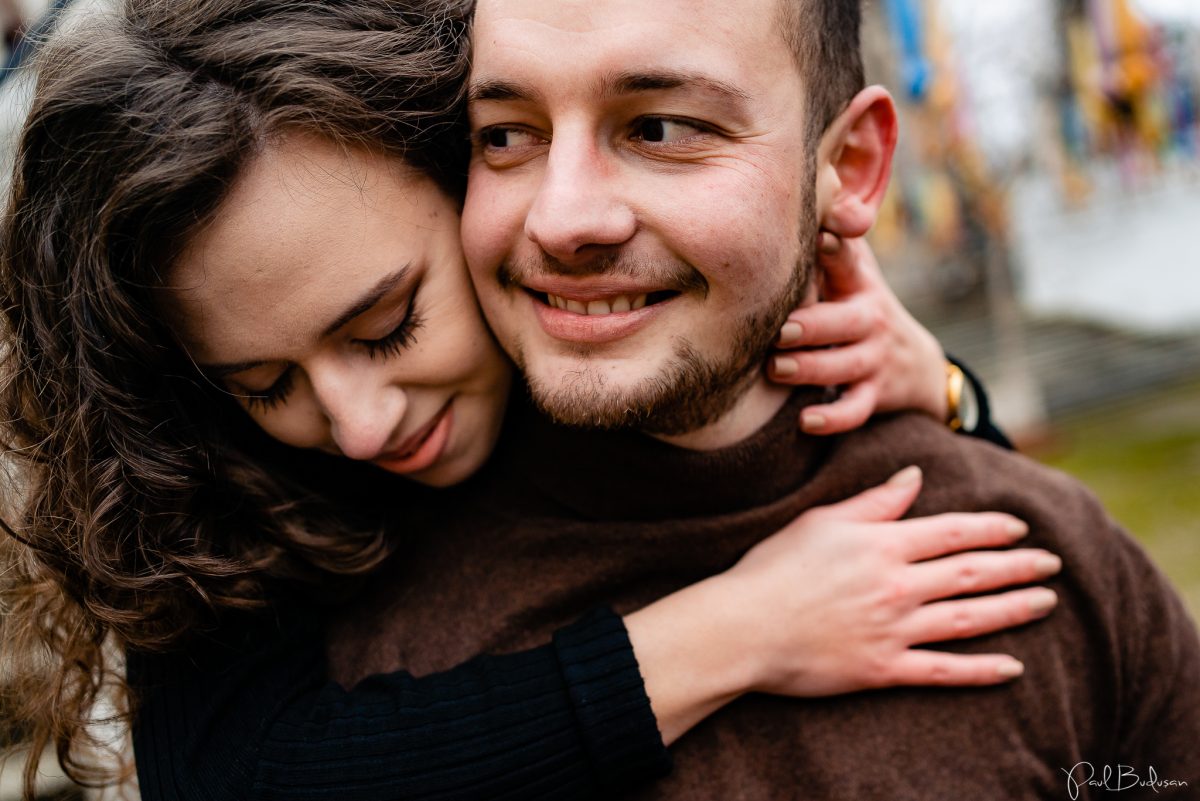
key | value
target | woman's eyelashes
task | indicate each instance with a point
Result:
(274, 395)
(395, 340)
(390, 344)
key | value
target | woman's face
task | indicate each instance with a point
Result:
(330, 297)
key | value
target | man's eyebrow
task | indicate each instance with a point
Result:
(501, 90)
(624, 83)
(361, 306)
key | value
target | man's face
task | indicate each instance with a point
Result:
(641, 214)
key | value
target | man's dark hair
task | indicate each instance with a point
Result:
(824, 38)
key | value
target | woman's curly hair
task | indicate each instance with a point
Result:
(141, 504)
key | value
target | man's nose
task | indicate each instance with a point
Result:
(579, 206)
(364, 414)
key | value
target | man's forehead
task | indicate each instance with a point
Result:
(579, 14)
(565, 37)
(628, 20)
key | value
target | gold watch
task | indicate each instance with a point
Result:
(962, 405)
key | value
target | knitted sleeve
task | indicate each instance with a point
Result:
(255, 717)
(985, 428)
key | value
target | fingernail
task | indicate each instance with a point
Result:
(791, 332)
(813, 422)
(1043, 601)
(785, 367)
(906, 477)
(829, 243)
(1047, 565)
(1017, 528)
(1010, 669)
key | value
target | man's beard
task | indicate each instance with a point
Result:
(693, 390)
(689, 393)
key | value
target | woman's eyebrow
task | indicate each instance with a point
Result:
(368, 300)
(222, 370)
(361, 306)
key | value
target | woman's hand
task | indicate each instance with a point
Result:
(835, 602)
(851, 589)
(859, 336)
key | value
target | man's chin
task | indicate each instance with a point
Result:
(684, 394)
(587, 395)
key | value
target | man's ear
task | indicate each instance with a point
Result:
(854, 163)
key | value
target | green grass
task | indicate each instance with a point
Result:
(1142, 458)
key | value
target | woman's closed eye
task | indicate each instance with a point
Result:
(396, 340)
(272, 396)
(390, 344)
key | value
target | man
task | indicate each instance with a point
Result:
(648, 184)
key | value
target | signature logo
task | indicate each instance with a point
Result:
(1114, 778)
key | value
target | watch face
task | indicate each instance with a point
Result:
(968, 408)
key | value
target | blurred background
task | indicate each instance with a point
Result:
(1044, 222)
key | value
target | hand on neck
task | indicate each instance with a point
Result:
(761, 401)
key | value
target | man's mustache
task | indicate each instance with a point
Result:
(676, 276)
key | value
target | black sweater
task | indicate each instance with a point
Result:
(253, 716)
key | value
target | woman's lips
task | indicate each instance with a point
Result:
(423, 448)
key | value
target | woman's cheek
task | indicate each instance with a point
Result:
(296, 423)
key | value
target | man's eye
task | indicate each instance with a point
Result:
(498, 137)
(663, 130)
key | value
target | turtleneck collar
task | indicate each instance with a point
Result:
(605, 475)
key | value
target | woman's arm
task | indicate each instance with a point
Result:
(831, 604)
(861, 338)
(835, 602)
(253, 716)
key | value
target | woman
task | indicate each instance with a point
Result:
(158, 514)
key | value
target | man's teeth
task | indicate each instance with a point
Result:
(621, 303)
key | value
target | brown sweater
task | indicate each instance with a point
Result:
(565, 520)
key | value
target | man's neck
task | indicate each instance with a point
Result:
(752, 411)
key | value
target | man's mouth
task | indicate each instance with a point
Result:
(597, 312)
(614, 304)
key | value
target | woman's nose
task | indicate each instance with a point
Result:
(364, 415)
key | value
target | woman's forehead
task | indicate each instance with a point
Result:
(306, 229)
